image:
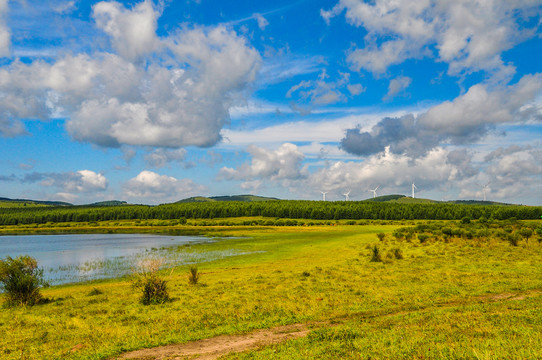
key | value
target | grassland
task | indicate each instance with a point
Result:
(447, 298)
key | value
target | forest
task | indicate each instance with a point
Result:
(288, 209)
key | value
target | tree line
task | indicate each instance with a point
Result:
(292, 209)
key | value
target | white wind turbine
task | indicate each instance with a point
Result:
(324, 195)
(346, 195)
(374, 191)
(413, 188)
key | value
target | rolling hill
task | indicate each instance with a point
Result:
(7, 203)
(245, 198)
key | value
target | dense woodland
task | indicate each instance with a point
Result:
(318, 210)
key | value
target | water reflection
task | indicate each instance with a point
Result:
(80, 257)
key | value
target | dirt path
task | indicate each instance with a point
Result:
(212, 348)
(209, 349)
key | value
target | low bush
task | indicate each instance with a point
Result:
(21, 280)
(398, 253)
(377, 254)
(193, 275)
(154, 289)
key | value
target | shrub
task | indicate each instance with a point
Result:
(381, 236)
(526, 233)
(398, 253)
(95, 292)
(377, 254)
(193, 275)
(423, 237)
(21, 279)
(465, 220)
(514, 239)
(154, 289)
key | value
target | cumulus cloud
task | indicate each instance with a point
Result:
(391, 172)
(467, 118)
(152, 187)
(282, 164)
(5, 35)
(132, 31)
(512, 172)
(171, 92)
(82, 181)
(468, 35)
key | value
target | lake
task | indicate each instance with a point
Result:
(83, 257)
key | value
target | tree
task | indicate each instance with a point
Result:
(21, 280)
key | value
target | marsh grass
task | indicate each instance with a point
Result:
(438, 302)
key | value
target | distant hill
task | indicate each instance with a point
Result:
(401, 199)
(245, 198)
(109, 203)
(409, 200)
(385, 198)
(6, 202)
(477, 202)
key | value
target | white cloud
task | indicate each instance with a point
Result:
(285, 163)
(65, 7)
(262, 22)
(468, 35)
(161, 157)
(355, 89)
(323, 92)
(379, 59)
(154, 188)
(133, 32)
(5, 35)
(480, 106)
(466, 119)
(321, 131)
(391, 172)
(397, 86)
(513, 173)
(179, 96)
(70, 183)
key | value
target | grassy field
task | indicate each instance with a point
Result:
(453, 298)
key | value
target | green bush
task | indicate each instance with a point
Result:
(193, 275)
(377, 254)
(154, 289)
(398, 253)
(21, 280)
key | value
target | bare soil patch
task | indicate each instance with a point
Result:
(212, 348)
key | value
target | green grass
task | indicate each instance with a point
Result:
(437, 302)
(19, 205)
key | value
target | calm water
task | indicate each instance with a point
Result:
(72, 258)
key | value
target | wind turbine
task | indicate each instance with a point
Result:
(374, 191)
(346, 195)
(324, 195)
(413, 188)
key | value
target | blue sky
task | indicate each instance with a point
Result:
(155, 101)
